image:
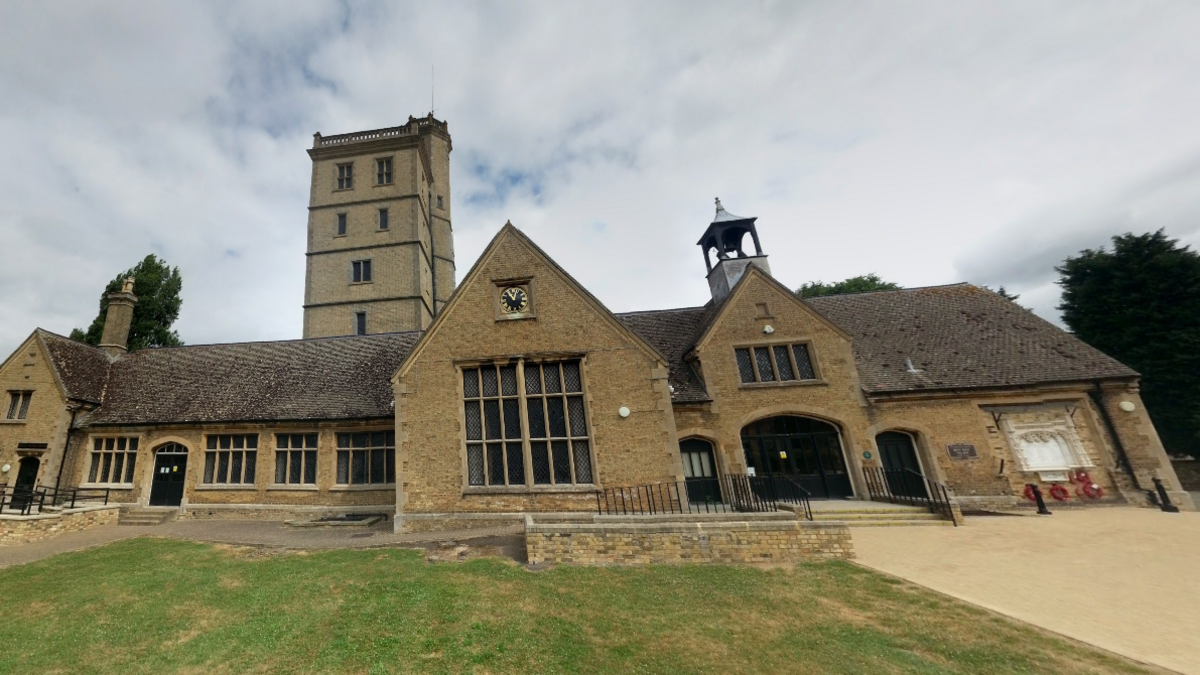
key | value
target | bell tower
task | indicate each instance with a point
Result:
(380, 245)
(724, 235)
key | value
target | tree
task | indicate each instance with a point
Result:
(1011, 297)
(157, 287)
(1140, 304)
(862, 284)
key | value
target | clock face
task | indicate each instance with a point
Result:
(514, 300)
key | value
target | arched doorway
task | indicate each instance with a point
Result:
(898, 454)
(170, 467)
(700, 470)
(27, 472)
(804, 449)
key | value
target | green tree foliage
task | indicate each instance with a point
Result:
(157, 287)
(1140, 303)
(1011, 297)
(863, 284)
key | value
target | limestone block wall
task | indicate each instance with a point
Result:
(45, 422)
(673, 542)
(27, 529)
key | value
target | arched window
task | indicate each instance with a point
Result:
(803, 449)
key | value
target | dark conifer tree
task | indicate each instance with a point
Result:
(157, 287)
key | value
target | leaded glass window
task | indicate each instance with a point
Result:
(231, 459)
(113, 461)
(552, 437)
(295, 459)
(366, 458)
(775, 363)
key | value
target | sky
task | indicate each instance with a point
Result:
(927, 142)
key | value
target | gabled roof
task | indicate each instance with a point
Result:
(959, 337)
(314, 379)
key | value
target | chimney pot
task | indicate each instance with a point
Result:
(118, 320)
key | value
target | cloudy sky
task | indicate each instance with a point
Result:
(928, 142)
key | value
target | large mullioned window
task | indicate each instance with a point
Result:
(526, 424)
(774, 363)
(113, 460)
(295, 459)
(231, 459)
(366, 458)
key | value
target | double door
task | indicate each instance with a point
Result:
(167, 487)
(898, 455)
(813, 460)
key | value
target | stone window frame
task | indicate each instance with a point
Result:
(771, 347)
(381, 172)
(341, 224)
(19, 401)
(343, 176)
(383, 220)
(306, 461)
(439, 203)
(1062, 427)
(214, 447)
(105, 444)
(388, 447)
(529, 487)
(366, 271)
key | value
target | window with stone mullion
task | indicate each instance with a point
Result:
(113, 461)
(492, 413)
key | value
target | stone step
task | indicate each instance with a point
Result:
(899, 523)
(856, 516)
(146, 517)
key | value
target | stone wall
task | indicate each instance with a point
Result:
(26, 529)
(669, 540)
(278, 512)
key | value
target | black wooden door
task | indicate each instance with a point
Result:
(805, 450)
(167, 487)
(26, 479)
(700, 471)
(899, 459)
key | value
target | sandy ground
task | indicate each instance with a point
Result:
(1123, 579)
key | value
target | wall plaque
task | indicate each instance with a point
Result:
(962, 451)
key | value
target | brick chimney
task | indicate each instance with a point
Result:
(115, 339)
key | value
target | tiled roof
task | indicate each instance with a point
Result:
(959, 337)
(318, 379)
(673, 332)
(82, 368)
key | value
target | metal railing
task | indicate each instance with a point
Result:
(905, 486)
(726, 494)
(788, 491)
(21, 500)
(70, 497)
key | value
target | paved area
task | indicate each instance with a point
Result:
(266, 533)
(1122, 579)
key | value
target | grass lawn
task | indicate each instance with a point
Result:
(164, 606)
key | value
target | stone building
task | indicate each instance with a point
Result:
(518, 391)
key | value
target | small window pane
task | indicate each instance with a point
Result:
(222, 467)
(491, 415)
(212, 442)
(391, 465)
(473, 420)
(537, 418)
(558, 418)
(358, 467)
(235, 467)
(24, 406)
(784, 364)
(360, 440)
(541, 462)
(129, 468)
(281, 441)
(133, 444)
(210, 461)
(578, 419)
(377, 463)
(310, 441)
(110, 444)
(512, 418)
(763, 358)
(562, 462)
(377, 439)
(239, 442)
(95, 465)
(495, 464)
(553, 384)
(383, 219)
(471, 383)
(745, 368)
(508, 380)
(251, 462)
(533, 378)
(118, 464)
(295, 466)
(107, 465)
(516, 464)
(310, 466)
(281, 466)
(803, 363)
(225, 442)
(98, 445)
(343, 440)
(489, 382)
(583, 462)
(121, 444)
(571, 381)
(343, 466)
(475, 464)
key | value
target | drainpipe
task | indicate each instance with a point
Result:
(1122, 458)
(62, 462)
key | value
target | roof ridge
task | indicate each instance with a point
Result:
(276, 342)
(660, 311)
(893, 290)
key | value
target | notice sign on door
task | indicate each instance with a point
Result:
(962, 451)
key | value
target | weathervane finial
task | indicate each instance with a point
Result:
(719, 207)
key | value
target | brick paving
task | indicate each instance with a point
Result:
(265, 533)
(1123, 579)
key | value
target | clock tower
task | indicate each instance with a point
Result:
(724, 236)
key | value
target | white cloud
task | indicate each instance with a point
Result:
(927, 142)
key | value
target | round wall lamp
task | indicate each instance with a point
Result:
(623, 411)
(6, 468)
(1127, 406)
(768, 329)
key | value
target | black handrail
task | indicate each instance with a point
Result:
(728, 493)
(791, 492)
(22, 499)
(69, 497)
(905, 486)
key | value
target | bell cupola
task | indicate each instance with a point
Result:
(724, 235)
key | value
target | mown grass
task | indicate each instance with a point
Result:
(164, 606)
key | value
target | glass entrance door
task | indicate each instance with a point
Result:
(700, 471)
